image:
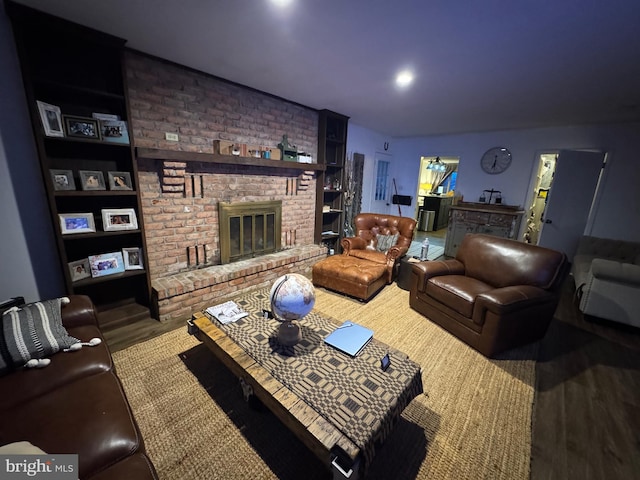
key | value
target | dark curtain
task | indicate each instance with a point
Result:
(355, 188)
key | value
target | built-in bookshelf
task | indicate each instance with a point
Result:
(77, 98)
(330, 186)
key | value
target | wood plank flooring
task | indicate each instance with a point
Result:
(586, 418)
(586, 421)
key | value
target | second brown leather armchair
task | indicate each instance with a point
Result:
(372, 230)
(495, 295)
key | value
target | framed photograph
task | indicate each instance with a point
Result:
(51, 119)
(120, 181)
(114, 131)
(81, 127)
(79, 269)
(62, 180)
(105, 116)
(91, 180)
(76, 223)
(119, 219)
(106, 264)
(132, 258)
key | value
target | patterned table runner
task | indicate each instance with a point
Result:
(354, 394)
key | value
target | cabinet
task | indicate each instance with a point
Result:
(440, 205)
(78, 72)
(330, 184)
(499, 221)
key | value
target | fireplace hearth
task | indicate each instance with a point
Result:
(249, 229)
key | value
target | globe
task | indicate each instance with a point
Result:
(292, 297)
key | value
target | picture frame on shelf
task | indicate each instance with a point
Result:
(81, 127)
(92, 180)
(105, 116)
(132, 258)
(120, 181)
(62, 180)
(79, 269)
(115, 219)
(51, 118)
(106, 264)
(71, 223)
(114, 131)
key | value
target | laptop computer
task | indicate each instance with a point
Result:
(349, 338)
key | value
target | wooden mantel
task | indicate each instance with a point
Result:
(180, 156)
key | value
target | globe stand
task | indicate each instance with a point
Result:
(289, 333)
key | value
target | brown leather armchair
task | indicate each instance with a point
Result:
(369, 261)
(370, 230)
(495, 295)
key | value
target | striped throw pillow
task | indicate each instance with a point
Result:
(32, 331)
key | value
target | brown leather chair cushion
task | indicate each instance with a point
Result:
(65, 367)
(349, 275)
(91, 418)
(457, 291)
(370, 255)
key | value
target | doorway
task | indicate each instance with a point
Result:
(563, 198)
(437, 179)
(546, 167)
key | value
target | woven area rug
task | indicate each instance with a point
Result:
(472, 422)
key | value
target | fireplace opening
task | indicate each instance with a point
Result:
(249, 229)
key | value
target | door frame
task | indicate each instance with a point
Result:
(602, 155)
(597, 196)
(382, 206)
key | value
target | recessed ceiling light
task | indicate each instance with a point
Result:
(281, 3)
(404, 78)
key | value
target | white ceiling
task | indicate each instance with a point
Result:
(479, 65)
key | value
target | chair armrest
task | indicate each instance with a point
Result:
(396, 252)
(426, 270)
(79, 311)
(509, 299)
(352, 243)
(615, 271)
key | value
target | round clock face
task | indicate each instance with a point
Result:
(496, 160)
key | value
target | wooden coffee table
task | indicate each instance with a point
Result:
(315, 422)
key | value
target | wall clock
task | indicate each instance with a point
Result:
(496, 160)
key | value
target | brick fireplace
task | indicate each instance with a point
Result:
(249, 229)
(181, 209)
(181, 186)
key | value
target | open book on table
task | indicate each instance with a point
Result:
(227, 312)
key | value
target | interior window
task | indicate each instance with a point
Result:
(381, 180)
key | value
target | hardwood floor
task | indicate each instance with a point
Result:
(586, 421)
(586, 414)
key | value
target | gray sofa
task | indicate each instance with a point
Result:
(607, 277)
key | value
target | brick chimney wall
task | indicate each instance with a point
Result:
(180, 199)
(165, 97)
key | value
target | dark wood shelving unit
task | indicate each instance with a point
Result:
(332, 151)
(80, 71)
(95, 193)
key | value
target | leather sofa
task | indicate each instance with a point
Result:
(370, 260)
(76, 405)
(607, 277)
(496, 294)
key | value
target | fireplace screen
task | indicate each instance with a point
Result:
(249, 229)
